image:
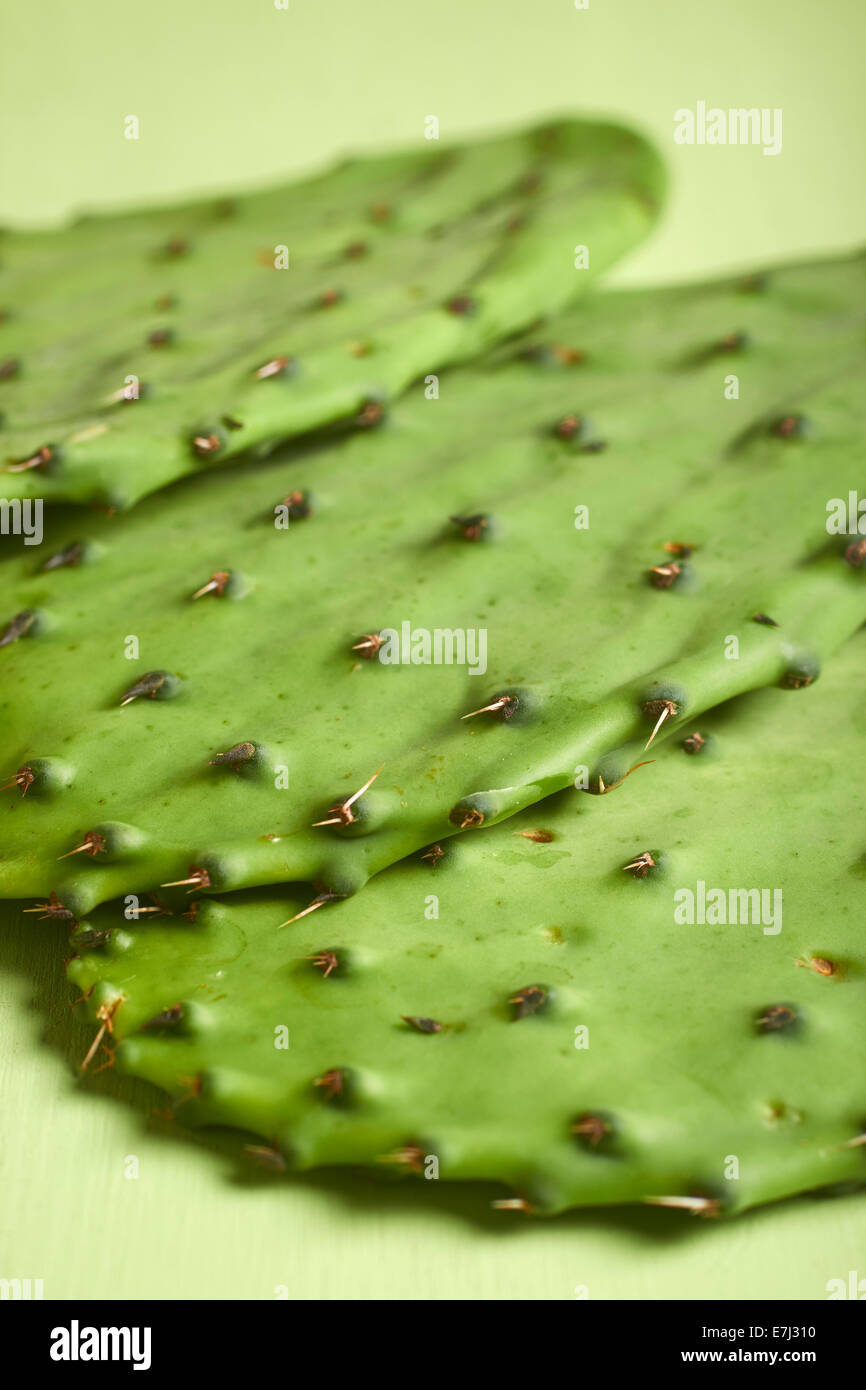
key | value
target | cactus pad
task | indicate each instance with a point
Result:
(253, 713)
(136, 349)
(232, 748)
(544, 1020)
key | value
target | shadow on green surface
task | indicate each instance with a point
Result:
(34, 950)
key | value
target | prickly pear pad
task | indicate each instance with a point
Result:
(143, 347)
(249, 715)
(528, 1012)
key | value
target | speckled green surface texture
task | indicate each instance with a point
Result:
(143, 347)
(268, 669)
(713, 1066)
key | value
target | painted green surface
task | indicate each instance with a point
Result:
(350, 79)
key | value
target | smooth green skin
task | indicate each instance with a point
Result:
(80, 303)
(571, 619)
(674, 1054)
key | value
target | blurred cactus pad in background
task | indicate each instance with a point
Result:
(139, 348)
(416, 624)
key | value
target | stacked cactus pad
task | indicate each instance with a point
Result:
(146, 347)
(334, 881)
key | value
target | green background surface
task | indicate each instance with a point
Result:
(233, 94)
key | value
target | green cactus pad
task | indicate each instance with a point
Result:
(720, 1066)
(135, 349)
(251, 713)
